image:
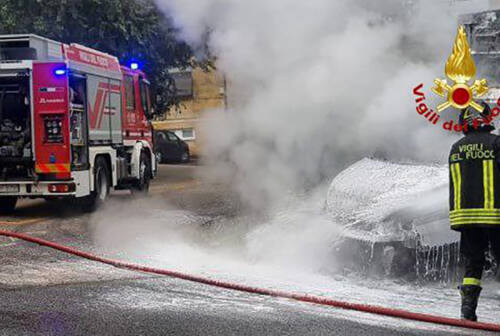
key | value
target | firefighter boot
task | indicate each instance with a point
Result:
(470, 297)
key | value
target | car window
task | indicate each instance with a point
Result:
(161, 136)
(172, 137)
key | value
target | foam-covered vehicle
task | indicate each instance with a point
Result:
(394, 218)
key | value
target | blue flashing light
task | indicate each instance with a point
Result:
(60, 72)
(134, 65)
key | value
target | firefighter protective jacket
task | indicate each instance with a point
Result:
(475, 181)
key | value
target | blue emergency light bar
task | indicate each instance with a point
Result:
(60, 72)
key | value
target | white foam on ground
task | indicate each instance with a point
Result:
(291, 249)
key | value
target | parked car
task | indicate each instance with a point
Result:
(170, 148)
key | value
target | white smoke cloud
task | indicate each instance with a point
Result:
(315, 85)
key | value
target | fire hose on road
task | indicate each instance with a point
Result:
(398, 313)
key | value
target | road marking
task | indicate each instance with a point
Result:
(15, 241)
(11, 243)
(176, 186)
(23, 222)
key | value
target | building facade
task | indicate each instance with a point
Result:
(199, 92)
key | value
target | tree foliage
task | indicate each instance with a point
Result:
(128, 29)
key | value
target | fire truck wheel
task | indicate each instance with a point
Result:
(7, 205)
(142, 186)
(102, 185)
(102, 180)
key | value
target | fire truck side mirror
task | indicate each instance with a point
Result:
(148, 113)
(146, 98)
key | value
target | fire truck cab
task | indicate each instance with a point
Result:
(74, 123)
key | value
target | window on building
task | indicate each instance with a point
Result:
(129, 92)
(186, 134)
(183, 81)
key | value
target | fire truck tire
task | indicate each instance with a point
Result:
(7, 204)
(102, 185)
(141, 187)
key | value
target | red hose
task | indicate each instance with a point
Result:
(262, 291)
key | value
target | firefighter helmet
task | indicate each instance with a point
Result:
(472, 119)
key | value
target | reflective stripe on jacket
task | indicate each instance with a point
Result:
(474, 181)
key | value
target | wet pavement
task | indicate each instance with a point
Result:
(45, 292)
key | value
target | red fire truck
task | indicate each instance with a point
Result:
(73, 123)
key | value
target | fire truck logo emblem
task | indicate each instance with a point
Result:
(460, 69)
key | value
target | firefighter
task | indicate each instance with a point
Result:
(475, 200)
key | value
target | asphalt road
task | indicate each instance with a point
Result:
(170, 307)
(44, 292)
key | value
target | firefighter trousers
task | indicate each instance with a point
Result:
(474, 243)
